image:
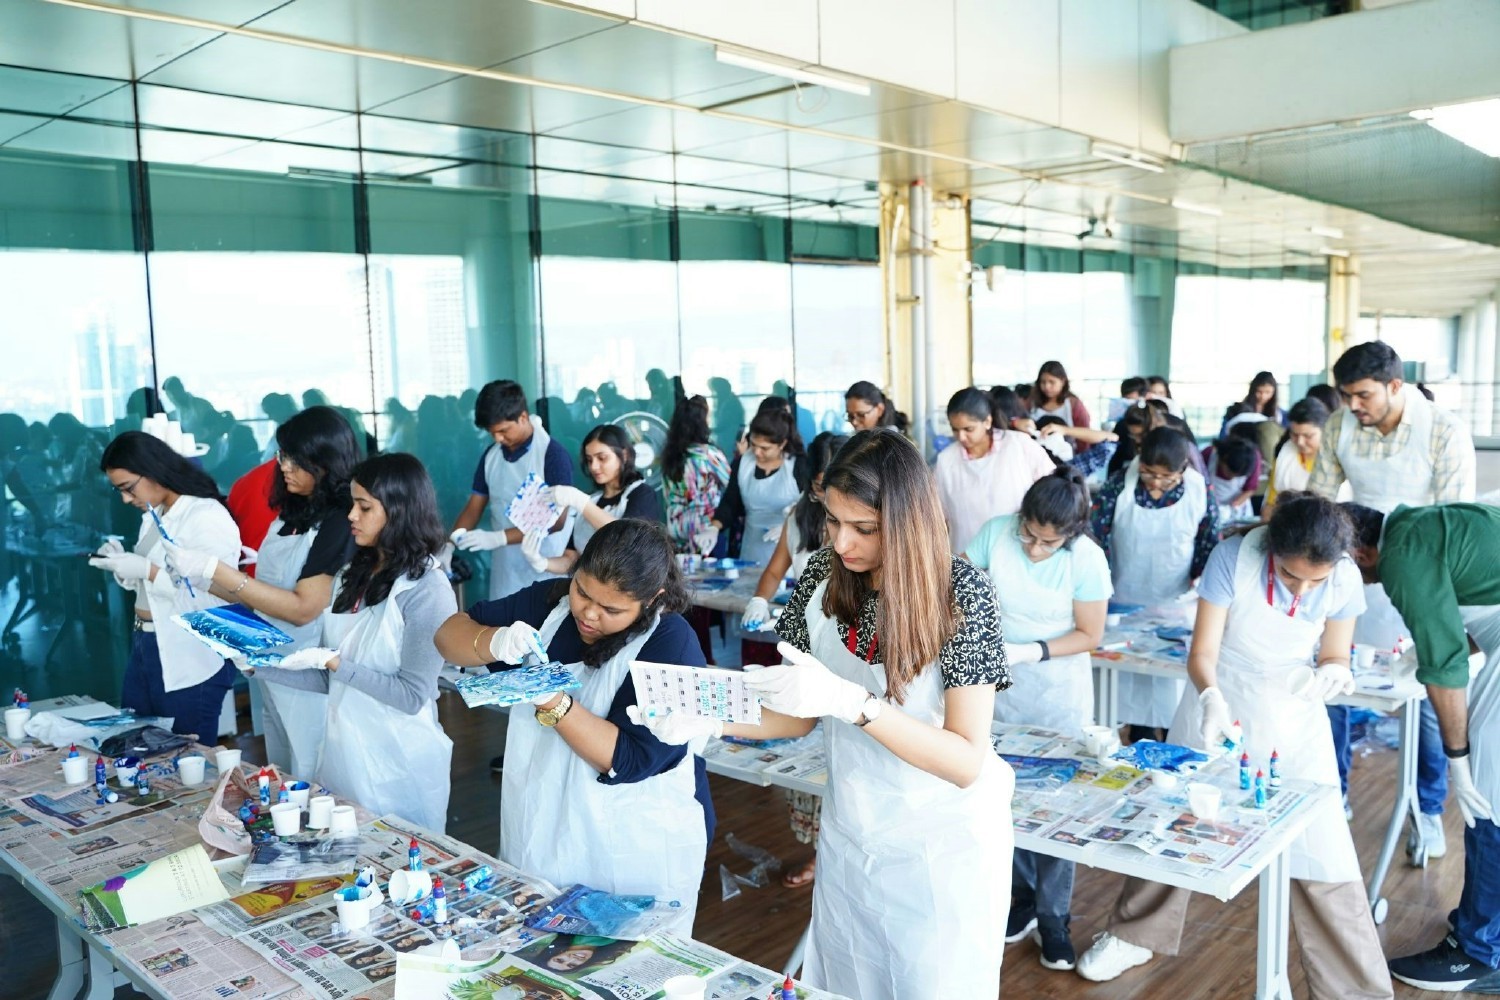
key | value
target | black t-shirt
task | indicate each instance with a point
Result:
(644, 504)
(333, 547)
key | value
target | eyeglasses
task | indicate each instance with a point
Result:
(286, 461)
(128, 490)
(859, 416)
(1031, 541)
(1168, 480)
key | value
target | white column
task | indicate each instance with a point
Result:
(1468, 361)
(1484, 367)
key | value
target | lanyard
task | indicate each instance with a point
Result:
(853, 644)
(1271, 587)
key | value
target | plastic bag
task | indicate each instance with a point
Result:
(143, 741)
(728, 883)
(582, 910)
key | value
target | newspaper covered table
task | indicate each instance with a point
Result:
(280, 940)
(1134, 646)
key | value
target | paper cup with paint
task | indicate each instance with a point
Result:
(191, 769)
(76, 770)
(1204, 801)
(226, 760)
(319, 812)
(409, 887)
(342, 822)
(684, 988)
(354, 914)
(286, 819)
(15, 723)
(299, 792)
(126, 769)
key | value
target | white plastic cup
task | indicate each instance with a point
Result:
(342, 822)
(685, 988)
(226, 760)
(299, 792)
(1105, 756)
(15, 723)
(409, 887)
(1204, 801)
(126, 776)
(286, 819)
(191, 768)
(354, 915)
(1364, 657)
(319, 812)
(76, 770)
(1095, 737)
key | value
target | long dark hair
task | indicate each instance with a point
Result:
(808, 514)
(869, 392)
(634, 557)
(1056, 370)
(689, 427)
(144, 455)
(776, 424)
(883, 471)
(1310, 527)
(1260, 379)
(320, 441)
(615, 440)
(412, 535)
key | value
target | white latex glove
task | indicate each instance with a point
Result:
(111, 547)
(757, 614)
(1217, 724)
(242, 665)
(773, 533)
(678, 728)
(570, 497)
(126, 566)
(804, 688)
(515, 642)
(445, 556)
(191, 563)
(249, 556)
(1023, 652)
(312, 658)
(478, 540)
(531, 548)
(1471, 802)
(1330, 681)
(706, 539)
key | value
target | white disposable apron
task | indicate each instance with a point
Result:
(1151, 557)
(1059, 693)
(1483, 625)
(557, 820)
(974, 490)
(509, 570)
(202, 524)
(766, 503)
(913, 882)
(374, 753)
(583, 532)
(1264, 652)
(294, 720)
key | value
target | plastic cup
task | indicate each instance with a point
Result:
(299, 792)
(286, 819)
(1364, 657)
(190, 769)
(1204, 801)
(226, 760)
(354, 915)
(685, 988)
(410, 887)
(15, 723)
(1095, 737)
(319, 812)
(342, 822)
(76, 770)
(126, 776)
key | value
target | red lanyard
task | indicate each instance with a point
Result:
(853, 644)
(1271, 588)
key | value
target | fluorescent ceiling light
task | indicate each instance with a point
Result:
(1193, 206)
(1331, 232)
(1332, 252)
(1127, 157)
(791, 71)
(1475, 124)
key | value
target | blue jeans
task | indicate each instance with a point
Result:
(193, 710)
(1432, 763)
(1042, 883)
(1476, 922)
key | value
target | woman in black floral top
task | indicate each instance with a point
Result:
(896, 646)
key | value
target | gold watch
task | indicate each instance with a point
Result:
(550, 717)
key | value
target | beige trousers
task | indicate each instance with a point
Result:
(1341, 953)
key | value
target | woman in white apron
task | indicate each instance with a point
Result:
(1233, 466)
(896, 645)
(763, 484)
(169, 673)
(1053, 586)
(590, 795)
(305, 546)
(520, 449)
(1298, 453)
(1157, 525)
(384, 746)
(623, 492)
(986, 470)
(1269, 599)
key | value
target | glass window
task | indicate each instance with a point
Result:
(839, 335)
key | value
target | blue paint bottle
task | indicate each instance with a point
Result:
(1245, 771)
(1260, 790)
(1275, 780)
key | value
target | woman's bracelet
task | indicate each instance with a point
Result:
(481, 632)
(241, 587)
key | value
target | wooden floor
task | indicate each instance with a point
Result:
(763, 925)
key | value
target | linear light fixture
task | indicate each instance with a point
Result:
(1328, 232)
(1476, 124)
(1193, 206)
(1332, 252)
(775, 67)
(1127, 157)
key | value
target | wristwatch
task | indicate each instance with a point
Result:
(869, 712)
(550, 717)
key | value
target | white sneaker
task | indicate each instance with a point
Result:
(1109, 957)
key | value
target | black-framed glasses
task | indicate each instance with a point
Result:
(128, 490)
(286, 461)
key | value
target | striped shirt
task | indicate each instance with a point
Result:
(1450, 447)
